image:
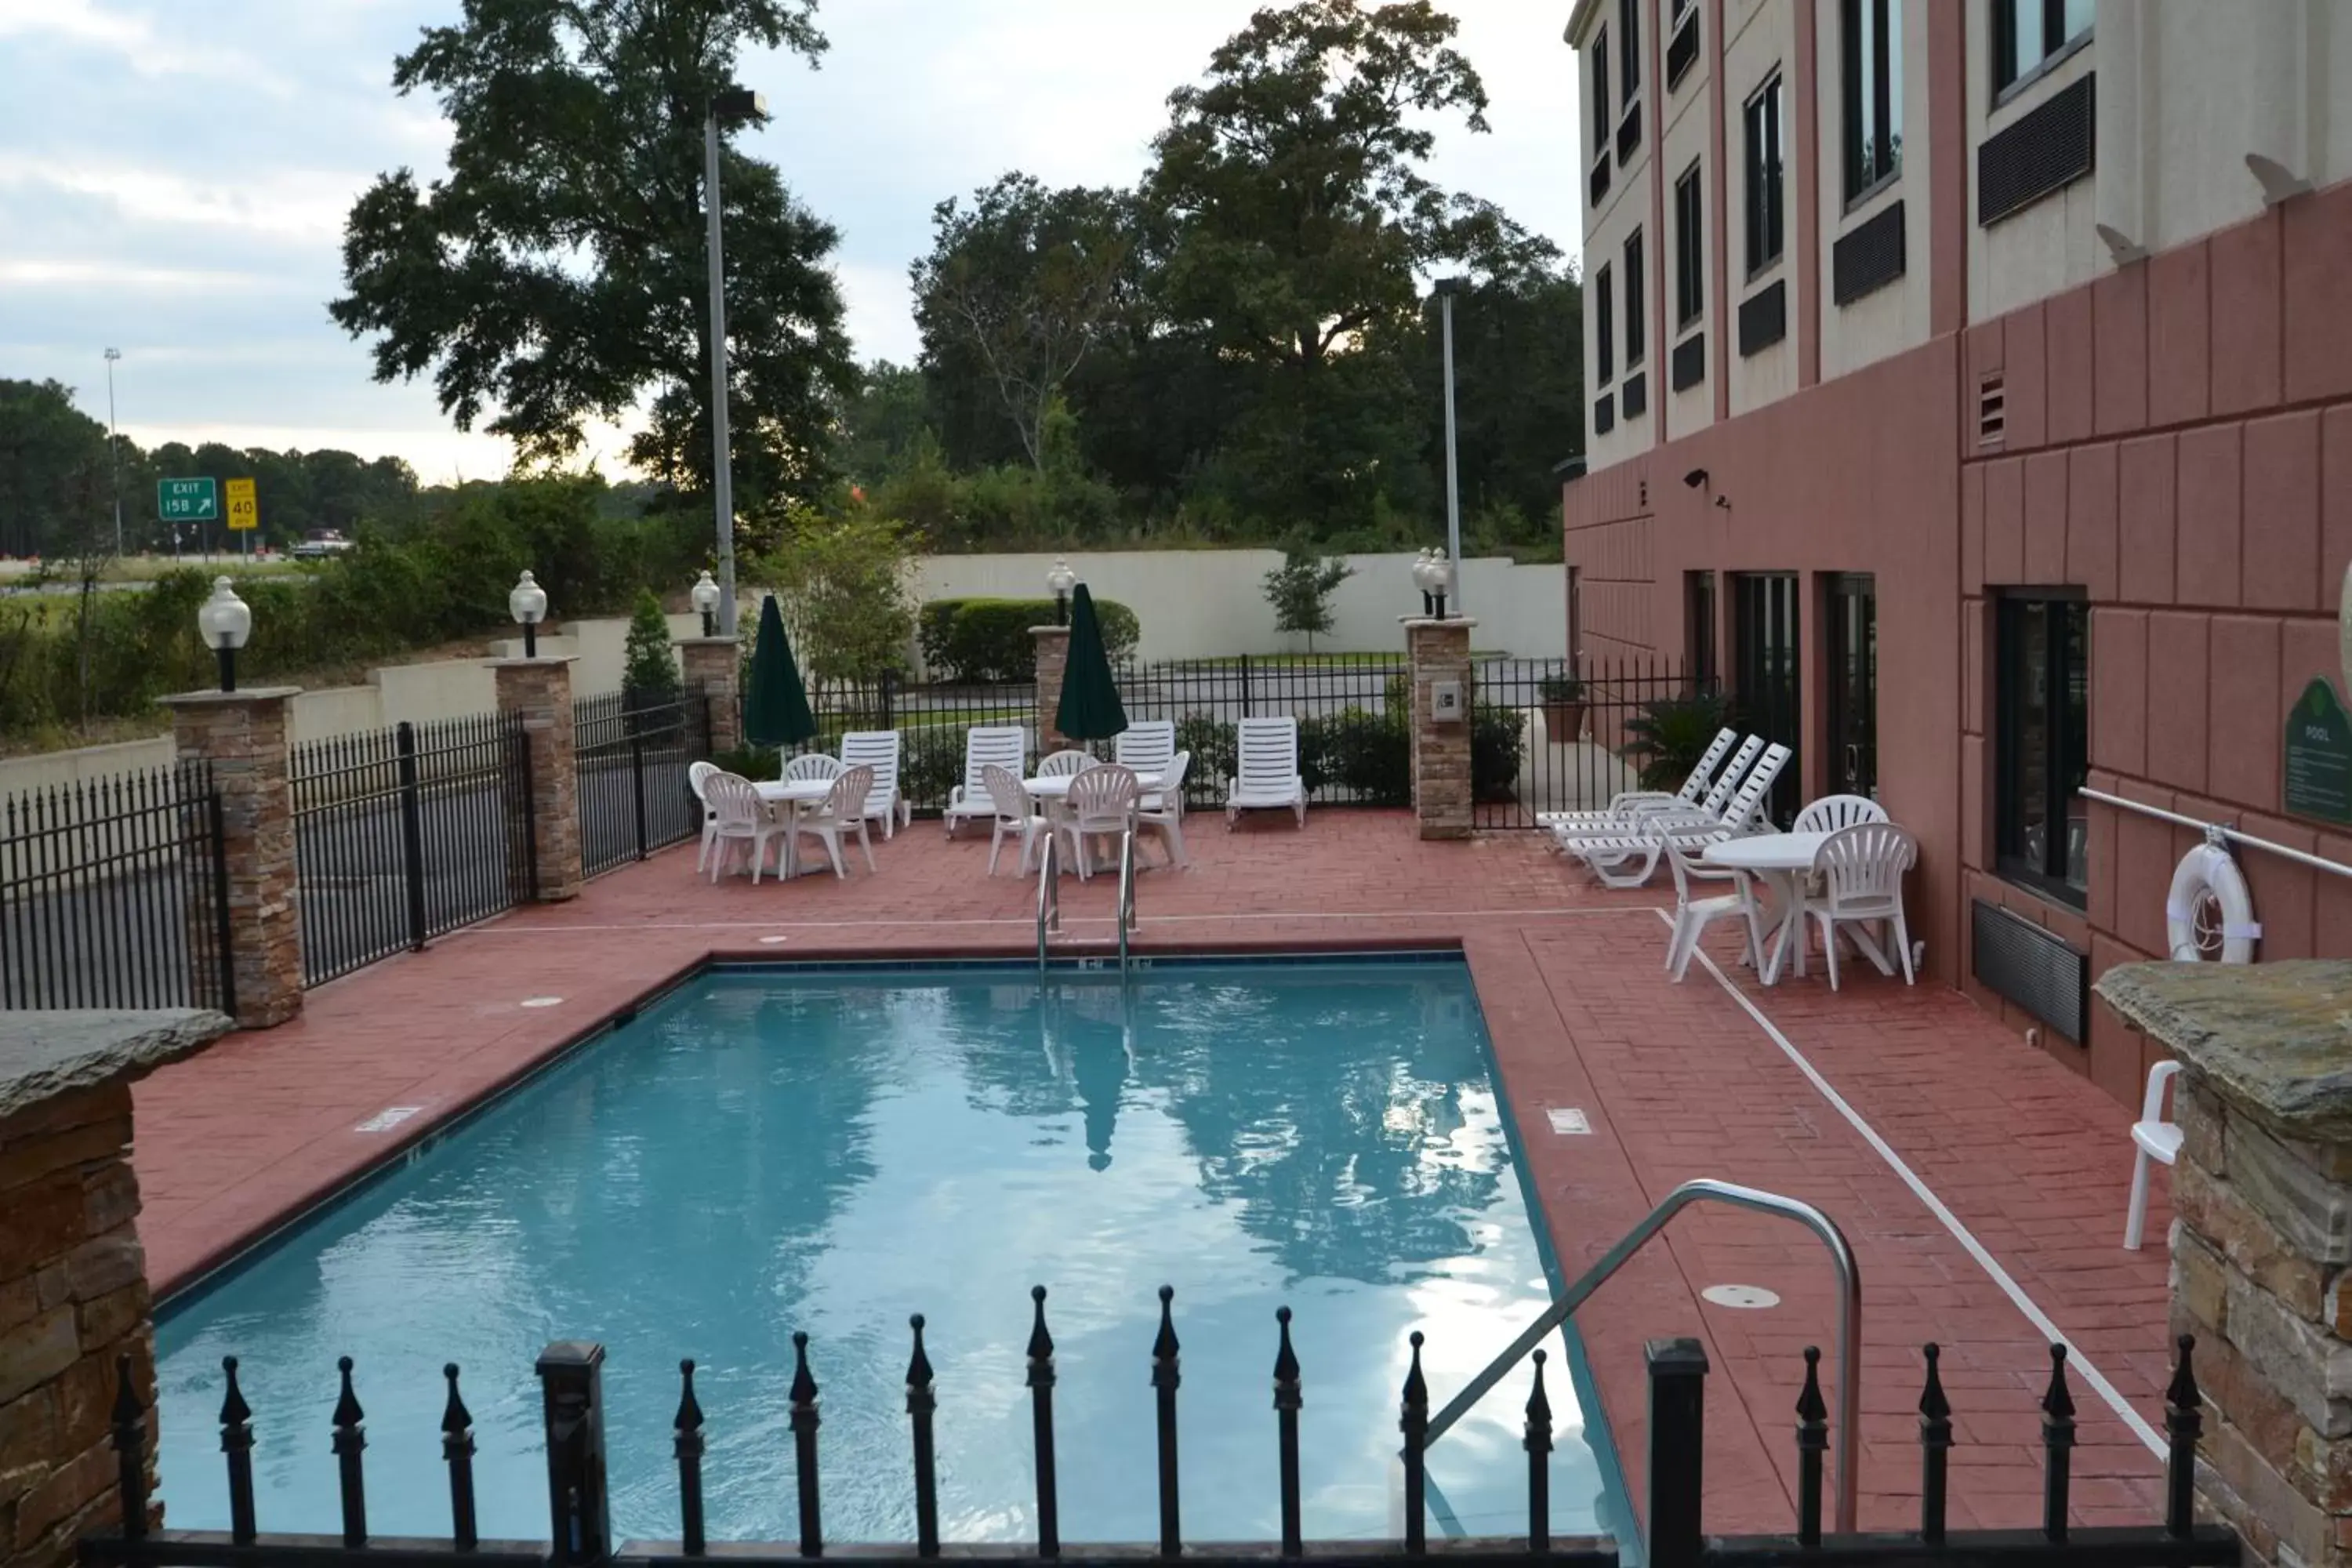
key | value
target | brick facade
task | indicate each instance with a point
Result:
(539, 691)
(1440, 650)
(1053, 656)
(243, 736)
(714, 670)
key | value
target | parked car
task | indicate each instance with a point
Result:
(320, 545)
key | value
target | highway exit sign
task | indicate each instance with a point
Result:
(187, 500)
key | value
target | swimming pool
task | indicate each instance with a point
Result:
(771, 1149)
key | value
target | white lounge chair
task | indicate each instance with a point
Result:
(1627, 859)
(1628, 804)
(696, 774)
(1146, 746)
(1861, 868)
(2155, 1139)
(843, 810)
(1015, 812)
(1005, 746)
(1101, 802)
(1164, 810)
(1266, 776)
(878, 749)
(1709, 807)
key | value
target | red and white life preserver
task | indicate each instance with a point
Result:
(2208, 872)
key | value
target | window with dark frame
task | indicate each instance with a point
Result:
(1602, 121)
(1871, 62)
(2042, 744)
(2026, 33)
(1698, 613)
(1690, 247)
(1629, 50)
(1637, 297)
(1766, 214)
(1604, 321)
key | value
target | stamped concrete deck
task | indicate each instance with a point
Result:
(1981, 1184)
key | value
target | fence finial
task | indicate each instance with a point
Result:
(1935, 1444)
(2057, 1439)
(458, 1449)
(237, 1442)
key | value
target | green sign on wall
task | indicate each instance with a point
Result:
(2319, 756)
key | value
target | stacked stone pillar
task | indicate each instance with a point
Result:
(714, 671)
(1053, 657)
(74, 1302)
(243, 737)
(1439, 652)
(2262, 1243)
(539, 691)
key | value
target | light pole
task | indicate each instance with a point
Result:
(115, 447)
(1446, 289)
(732, 105)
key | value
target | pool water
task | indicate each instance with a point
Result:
(765, 1151)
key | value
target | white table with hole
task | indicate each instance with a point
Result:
(791, 794)
(1781, 861)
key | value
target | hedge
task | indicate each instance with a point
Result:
(989, 640)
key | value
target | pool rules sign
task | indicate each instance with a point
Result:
(2318, 770)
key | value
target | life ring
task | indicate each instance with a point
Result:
(2207, 878)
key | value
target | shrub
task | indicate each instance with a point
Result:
(1211, 741)
(649, 673)
(1560, 688)
(758, 764)
(1369, 753)
(984, 640)
(930, 763)
(1499, 738)
(1668, 736)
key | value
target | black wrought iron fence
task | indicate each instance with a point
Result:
(405, 834)
(632, 758)
(113, 894)
(580, 1489)
(1575, 733)
(931, 718)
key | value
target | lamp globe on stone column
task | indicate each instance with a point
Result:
(528, 605)
(1421, 567)
(225, 621)
(1441, 580)
(1061, 579)
(705, 601)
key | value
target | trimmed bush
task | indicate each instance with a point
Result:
(986, 640)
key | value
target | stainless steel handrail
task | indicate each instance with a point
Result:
(2219, 829)
(1849, 1348)
(1049, 897)
(1126, 893)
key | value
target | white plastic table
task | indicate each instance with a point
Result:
(1050, 790)
(1780, 860)
(793, 795)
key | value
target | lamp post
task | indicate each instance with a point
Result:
(1420, 569)
(115, 447)
(1446, 289)
(1061, 579)
(1441, 580)
(528, 605)
(706, 599)
(225, 621)
(731, 106)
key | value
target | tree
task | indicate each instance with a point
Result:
(842, 583)
(1300, 589)
(46, 446)
(649, 671)
(1024, 282)
(559, 273)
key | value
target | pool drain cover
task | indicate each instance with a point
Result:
(541, 1001)
(1748, 1296)
(774, 940)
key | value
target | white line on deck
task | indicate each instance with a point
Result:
(1951, 1221)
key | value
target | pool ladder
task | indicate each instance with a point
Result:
(1049, 897)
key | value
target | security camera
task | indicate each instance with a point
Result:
(1696, 479)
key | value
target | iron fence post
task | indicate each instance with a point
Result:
(1677, 1434)
(412, 832)
(221, 938)
(525, 818)
(637, 782)
(572, 1380)
(889, 704)
(1245, 686)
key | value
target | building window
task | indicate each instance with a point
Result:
(2043, 668)
(1699, 612)
(1604, 321)
(1873, 69)
(2027, 33)
(1637, 302)
(1602, 119)
(1690, 249)
(1629, 47)
(1764, 213)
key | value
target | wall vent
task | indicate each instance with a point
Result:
(2030, 966)
(1992, 412)
(1634, 397)
(1605, 414)
(1764, 317)
(2046, 150)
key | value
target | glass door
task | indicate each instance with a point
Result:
(1766, 666)
(1853, 684)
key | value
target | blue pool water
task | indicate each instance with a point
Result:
(765, 1151)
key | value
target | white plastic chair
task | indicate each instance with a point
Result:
(1692, 915)
(738, 815)
(1832, 812)
(812, 765)
(1266, 773)
(1015, 812)
(1004, 746)
(1627, 805)
(2155, 1139)
(1147, 746)
(1861, 868)
(1101, 800)
(1627, 858)
(843, 810)
(1709, 807)
(878, 749)
(695, 773)
(1164, 811)
(1064, 764)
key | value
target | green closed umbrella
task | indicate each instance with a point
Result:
(1090, 708)
(776, 709)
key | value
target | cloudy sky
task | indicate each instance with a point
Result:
(173, 175)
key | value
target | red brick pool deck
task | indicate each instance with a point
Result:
(1981, 1183)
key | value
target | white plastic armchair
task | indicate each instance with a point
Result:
(738, 815)
(1164, 810)
(1861, 869)
(1101, 802)
(1064, 764)
(878, 749)
(1265, 774)
(814, 765)
(1832, 812)
(1015, 813)
(1628, 804)
(1004, 746)
(843, 810)
(696, 774)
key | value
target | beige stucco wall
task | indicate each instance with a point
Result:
(1762, 39)
(2052, 244)
(1883, 324)
(1689, 130)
